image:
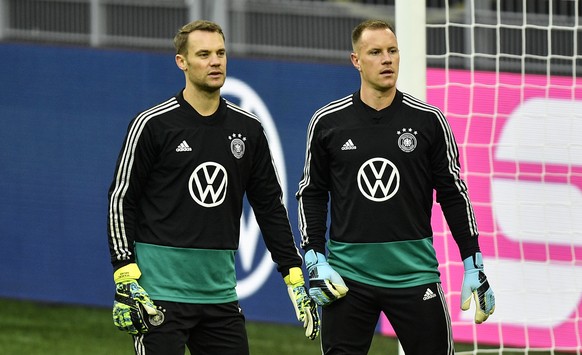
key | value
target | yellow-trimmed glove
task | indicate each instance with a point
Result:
(305, 308)
(132, 303)
(475, 285)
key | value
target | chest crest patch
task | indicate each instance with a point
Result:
(237, 145)
(407, 139)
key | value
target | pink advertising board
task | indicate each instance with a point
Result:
(520, 142)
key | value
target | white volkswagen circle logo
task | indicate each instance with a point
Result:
(378, 179)
(211, 181)
(256, 274)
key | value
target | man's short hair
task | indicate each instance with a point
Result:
(369, 25)
(181, 38)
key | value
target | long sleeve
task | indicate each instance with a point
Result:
(132, 168)
(265, 196)
(451, 190)
(313, 193)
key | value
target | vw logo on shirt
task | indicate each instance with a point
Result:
(378, 179)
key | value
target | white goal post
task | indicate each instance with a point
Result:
(410, 23)
(508, 78)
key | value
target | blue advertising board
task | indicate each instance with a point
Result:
(64, 113)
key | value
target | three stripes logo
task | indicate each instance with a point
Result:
(428, 295)
(349, 145)
(183, 147)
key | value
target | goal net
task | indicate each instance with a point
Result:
(507, 76)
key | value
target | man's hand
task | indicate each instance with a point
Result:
(305, 309)
(132, 303)
(325, 284)
(475, 285)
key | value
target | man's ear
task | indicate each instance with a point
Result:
(355, 61)
(181, 62)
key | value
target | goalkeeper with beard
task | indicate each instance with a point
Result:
(175, 205)
(376, 156)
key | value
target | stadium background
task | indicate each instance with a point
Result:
(75, 72)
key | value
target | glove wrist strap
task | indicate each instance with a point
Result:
(473, 262)
(127, 272)
(295, 277)
(312, 257)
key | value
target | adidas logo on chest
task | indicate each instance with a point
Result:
(183, 147)
(349, 145)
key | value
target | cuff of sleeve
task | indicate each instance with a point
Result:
(468, 247)
(127, 272)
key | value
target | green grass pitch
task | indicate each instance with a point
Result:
(50, 329)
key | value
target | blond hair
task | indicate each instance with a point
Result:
(369, 25)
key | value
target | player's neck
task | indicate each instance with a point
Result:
(377, 99)
(204, 102)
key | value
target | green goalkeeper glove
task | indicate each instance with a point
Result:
(475, 285)
(305, 308)
(132, 303)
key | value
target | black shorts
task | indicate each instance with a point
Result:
(205, 328)
(419, 316)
